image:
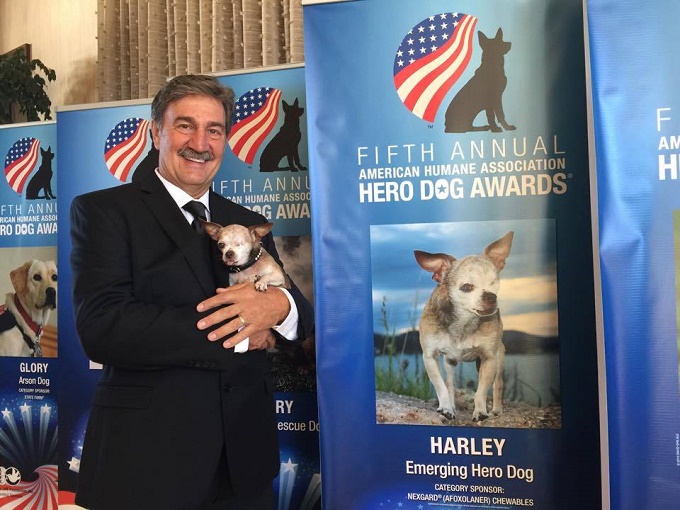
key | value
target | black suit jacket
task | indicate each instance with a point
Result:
(169, 401)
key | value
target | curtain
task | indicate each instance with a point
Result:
(143, 42)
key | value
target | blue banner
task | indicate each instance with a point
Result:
(108, 145)
(29, 340)
(636, 106)
(450, 184)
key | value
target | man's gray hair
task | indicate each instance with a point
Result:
(192, 85)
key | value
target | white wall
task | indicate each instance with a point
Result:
(63, 34)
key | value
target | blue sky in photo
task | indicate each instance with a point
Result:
(528, 293)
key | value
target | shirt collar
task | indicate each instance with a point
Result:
(181, 197)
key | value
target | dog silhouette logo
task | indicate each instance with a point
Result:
(433, 56)
(285, 143)
(255, 115)
(42, 179)
(124, 145)
(20, 161)
(483, 92)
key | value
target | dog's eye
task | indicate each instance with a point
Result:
(220, 245)
(54, 277)
(37, 277)
(467, 287)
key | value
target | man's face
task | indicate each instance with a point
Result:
(191, 142)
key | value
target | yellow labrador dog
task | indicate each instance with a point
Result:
(27, 309)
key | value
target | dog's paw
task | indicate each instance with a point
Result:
(479, 416)
(260, 286)
(447, 413)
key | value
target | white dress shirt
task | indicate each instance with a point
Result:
(288, 328)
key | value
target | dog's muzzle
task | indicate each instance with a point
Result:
(51, 298)
(489, 305)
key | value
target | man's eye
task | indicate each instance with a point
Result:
(215, 133)
(184, 128)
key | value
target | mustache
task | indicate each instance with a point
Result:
(189, 153)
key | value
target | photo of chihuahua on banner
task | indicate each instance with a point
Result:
(470, 337)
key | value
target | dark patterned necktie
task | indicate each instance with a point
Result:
(197, 210)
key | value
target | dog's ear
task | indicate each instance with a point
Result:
(499, 250)
(213, 229)
(483, 39)
(18, 277)
(435, 263)
(261, 230)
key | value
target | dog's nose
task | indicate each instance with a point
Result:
(51, 297)
(489, 298)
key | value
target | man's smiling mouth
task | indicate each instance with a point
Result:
(196, 157)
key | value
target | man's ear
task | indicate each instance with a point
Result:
(155, 135)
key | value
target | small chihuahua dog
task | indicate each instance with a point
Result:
(462, 322)
(244, 256)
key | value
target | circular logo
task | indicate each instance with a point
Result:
(9, 476)
(125, 145)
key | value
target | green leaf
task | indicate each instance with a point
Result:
(21, 83)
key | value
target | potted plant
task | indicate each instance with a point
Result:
(22, 87)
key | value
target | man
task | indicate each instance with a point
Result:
(179, 420)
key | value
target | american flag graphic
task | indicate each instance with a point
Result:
(28, 453)
(20, 162)
(124, 145)
(255, 115)
(40, 494)
(430, 59)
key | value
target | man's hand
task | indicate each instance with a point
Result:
(262, 340)
(241, 306)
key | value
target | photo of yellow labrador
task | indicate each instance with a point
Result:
(461, 321)
(27, 309)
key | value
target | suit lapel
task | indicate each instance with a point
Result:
(220, 213)
(193, 247)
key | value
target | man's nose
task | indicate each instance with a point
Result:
(200, 140)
